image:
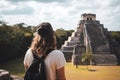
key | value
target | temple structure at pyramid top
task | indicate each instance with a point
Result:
(90, 36)
(88, 17)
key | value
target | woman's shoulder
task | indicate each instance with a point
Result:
(56, 52)
(29, 51)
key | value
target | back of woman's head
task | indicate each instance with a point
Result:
(44, 39)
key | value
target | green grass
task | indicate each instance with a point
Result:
(93, 73)
(16, 67)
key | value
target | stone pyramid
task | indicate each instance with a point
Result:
(89, 35)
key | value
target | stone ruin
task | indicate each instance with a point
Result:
(90, 35)
(5, 75)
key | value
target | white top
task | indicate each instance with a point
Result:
(54, 60)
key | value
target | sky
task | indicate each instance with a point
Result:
(64, 14)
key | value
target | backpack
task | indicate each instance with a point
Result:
(37, 69)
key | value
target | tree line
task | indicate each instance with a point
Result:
(16, 39)
(115, 35)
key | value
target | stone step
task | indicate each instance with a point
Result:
(67, 48)
(71, 43)
(105, 59)
(68, 56)
(74, 39)
(67, 51)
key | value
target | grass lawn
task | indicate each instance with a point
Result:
(16, 67)
(94, 72)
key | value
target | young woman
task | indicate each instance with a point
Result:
(43, 41)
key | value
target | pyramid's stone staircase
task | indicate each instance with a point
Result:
(91, 34)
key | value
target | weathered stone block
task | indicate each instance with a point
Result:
(4, 75)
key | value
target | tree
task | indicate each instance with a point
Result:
(3, 23)
(87, 59)
(16, 39)
(115, 35)
(62, 35)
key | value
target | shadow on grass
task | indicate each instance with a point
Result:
(92, 70)
(89, 68)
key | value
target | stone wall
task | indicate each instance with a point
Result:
(4, 75)
(97, 39)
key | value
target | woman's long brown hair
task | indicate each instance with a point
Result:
(43, 42)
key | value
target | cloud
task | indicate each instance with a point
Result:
(7, 8)
(18, 11)
(115, 3)
(3, 4)
(48, 1)
(61, 13)
(42, 1)
(1, 16)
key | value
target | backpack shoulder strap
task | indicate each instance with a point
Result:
(44, 56)
(35, 56)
